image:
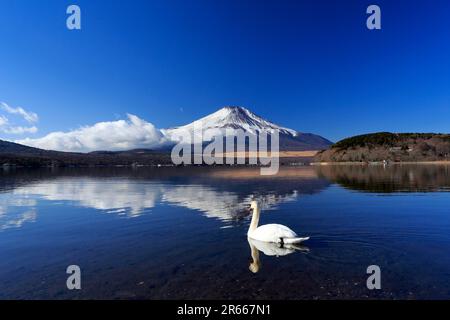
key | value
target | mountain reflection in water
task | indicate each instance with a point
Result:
(216, 193)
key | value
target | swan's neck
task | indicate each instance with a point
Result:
(255, 220)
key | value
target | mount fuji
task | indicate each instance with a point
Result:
(137, 137)
(233, 118)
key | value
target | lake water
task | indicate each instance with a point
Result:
(180, 233)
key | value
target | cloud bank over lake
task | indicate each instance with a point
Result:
(131, 133)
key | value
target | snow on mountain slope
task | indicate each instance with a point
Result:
(233, 118)
(229, 118)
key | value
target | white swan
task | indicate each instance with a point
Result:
(276, 233)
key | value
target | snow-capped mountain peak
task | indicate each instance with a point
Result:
(233, 118)
(230, 117)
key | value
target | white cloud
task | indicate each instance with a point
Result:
(6, 126)
(19, 130)
(28, 116)
(3, 121)
(113, 135)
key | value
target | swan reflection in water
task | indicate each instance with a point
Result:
(271, 249)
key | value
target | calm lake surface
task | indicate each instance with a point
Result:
(180, 233)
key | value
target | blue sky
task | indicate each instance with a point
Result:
(309, 65)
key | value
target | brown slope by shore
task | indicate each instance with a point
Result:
(394, 147)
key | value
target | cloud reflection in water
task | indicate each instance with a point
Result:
(217, 198)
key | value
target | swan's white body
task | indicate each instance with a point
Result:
(275, 233)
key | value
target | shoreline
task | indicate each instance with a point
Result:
(285, 164)
(380, 163)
